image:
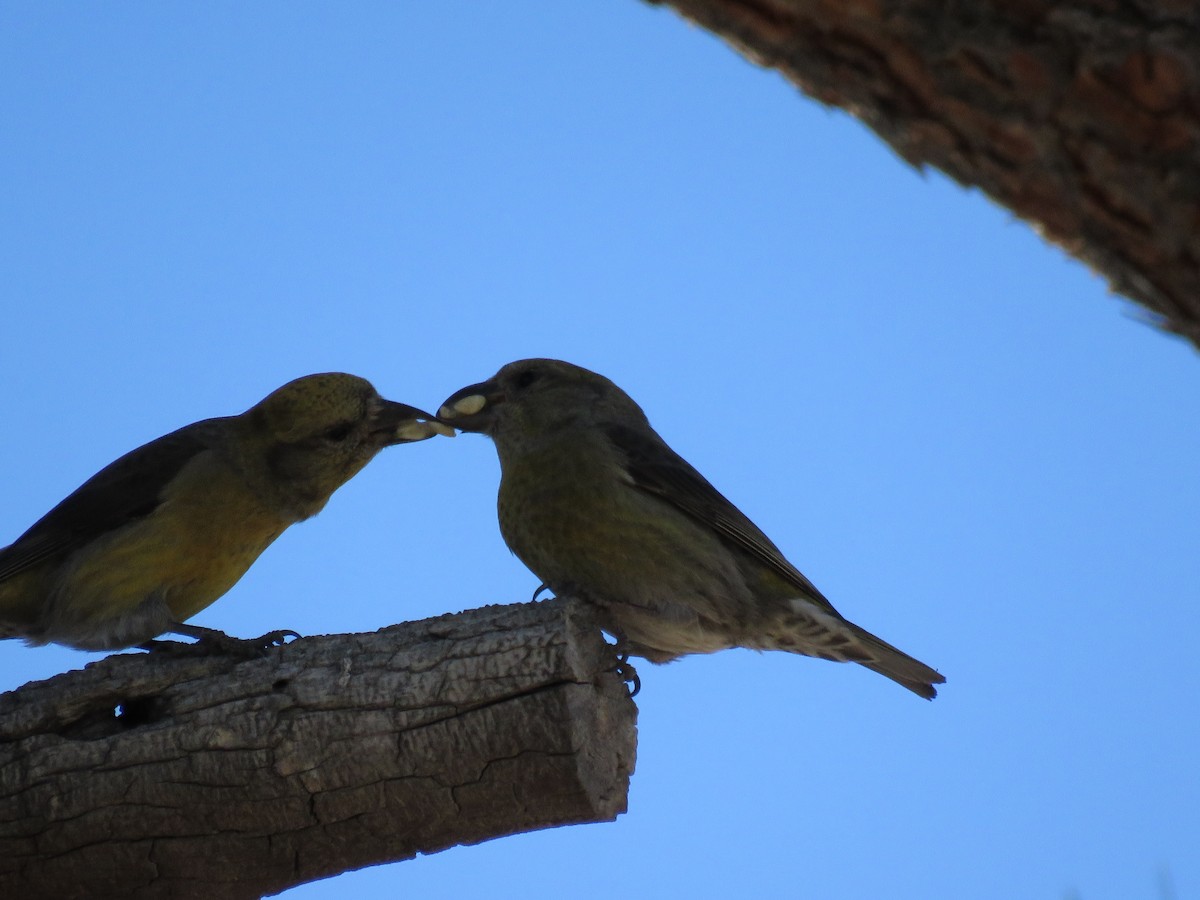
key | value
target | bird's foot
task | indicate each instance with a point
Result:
(624, 669)
(540, 589)
(211, 642)
(628, 674)
(172, 648)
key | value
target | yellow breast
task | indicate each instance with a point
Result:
(208, 530)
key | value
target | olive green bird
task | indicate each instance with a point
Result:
(164, 531)
(597, 505)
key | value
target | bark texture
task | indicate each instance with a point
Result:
(1081, 116)
(143, 776)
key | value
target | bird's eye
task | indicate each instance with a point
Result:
(339, 432)
(526, 378)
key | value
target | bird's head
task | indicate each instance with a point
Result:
(533, 397)
(315, 433)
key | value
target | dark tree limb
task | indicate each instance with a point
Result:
(1082, 116)
(226, 778)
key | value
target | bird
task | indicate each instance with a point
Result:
(597, 505)
(164, 531)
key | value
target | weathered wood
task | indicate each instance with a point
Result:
(144, 776)
(1082, 116)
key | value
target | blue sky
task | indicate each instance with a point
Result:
(947, 424)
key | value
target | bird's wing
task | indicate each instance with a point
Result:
(121, 492)
(657, 469)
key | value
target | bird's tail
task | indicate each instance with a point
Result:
(815, 631)
(897, 665)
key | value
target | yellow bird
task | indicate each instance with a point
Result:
(161, 533)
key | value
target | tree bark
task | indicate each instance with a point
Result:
(1082, 116)
(151, 776)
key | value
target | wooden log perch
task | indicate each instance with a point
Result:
(1081, 116)
(151, 776)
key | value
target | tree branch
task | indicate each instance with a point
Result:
(1081, 116)
(151, 776)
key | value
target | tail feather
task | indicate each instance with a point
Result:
(898, 665)
(816, 632)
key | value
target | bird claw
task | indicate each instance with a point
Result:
(166, 648)
(628, 674)
(211, 642)
(537, 593)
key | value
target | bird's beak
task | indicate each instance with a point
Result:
(473, 407)
(398, 423)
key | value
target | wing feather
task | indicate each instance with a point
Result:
(121, 492)
(657, 469)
